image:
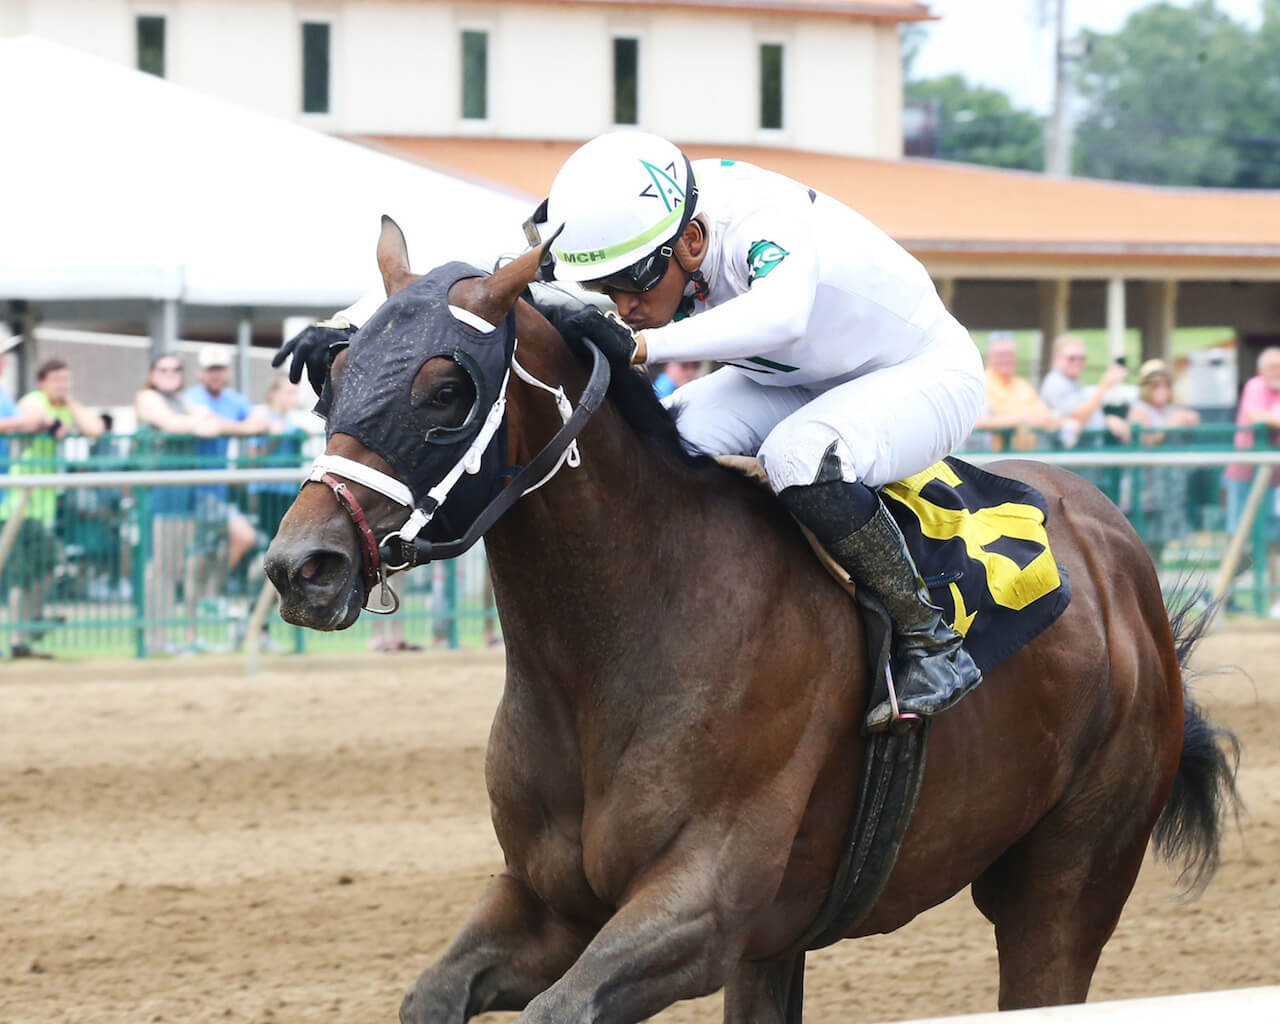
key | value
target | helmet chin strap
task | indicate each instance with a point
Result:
(692, 264)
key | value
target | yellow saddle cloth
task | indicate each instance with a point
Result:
(979, 541)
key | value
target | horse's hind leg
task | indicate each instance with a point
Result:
(766, 992)
(1054, 899)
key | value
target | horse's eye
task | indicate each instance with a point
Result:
(445, 395)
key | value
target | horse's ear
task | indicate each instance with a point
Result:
(393, 258)
(498, 292)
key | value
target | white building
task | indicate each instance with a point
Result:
(819, 75)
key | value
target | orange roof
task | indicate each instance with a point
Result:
(936, 208)
(867, 10)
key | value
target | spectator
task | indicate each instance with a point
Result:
(281, 446)
(1078, 406)
(14, 421)
(1012, 403)
(166, 439)
(1259, 404)
(1154, 409)
(675, 375)
(217, 519)
(36, 552)
(1163, 495)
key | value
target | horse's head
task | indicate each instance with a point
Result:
(416, 435)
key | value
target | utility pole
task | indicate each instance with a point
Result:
(1058, 157)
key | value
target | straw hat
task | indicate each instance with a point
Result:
(1151, 369)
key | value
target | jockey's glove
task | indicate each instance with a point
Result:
(314, 349)
(616, 341)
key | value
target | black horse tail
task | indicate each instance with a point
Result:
(1189, 828)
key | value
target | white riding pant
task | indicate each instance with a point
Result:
(887, 424)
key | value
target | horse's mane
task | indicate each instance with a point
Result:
(631, 393)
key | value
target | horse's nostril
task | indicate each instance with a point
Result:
(322, 569)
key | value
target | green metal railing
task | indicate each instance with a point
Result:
(106, 561)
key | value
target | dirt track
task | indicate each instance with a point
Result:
(181, 843)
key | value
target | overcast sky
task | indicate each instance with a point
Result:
(1005, 43)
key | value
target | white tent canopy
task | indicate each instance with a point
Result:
(119, 185)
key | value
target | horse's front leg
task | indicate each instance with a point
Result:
(676, 938)
(511, 948)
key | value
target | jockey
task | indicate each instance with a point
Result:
(841, 370)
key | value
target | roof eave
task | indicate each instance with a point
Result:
(815, 8)
(1085, 249)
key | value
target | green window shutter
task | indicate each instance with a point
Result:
(475, 75)
(315, 67)
(150, 34)
(626, 81)
(770, 85)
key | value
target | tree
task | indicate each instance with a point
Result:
(1183, 96)
(980, 125)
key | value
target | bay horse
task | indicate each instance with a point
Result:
(678, 744)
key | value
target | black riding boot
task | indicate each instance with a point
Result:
(931, 670)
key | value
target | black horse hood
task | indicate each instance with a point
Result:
(373, 400)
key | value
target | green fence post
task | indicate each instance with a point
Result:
(1261, 606)
(141, 559)
(451, 600)
(1137, 516)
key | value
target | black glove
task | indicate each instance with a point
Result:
(615, 340)
(314, 349)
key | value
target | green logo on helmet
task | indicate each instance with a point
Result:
(664, 186)
(589, 256)
(762, 257)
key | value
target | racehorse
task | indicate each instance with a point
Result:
(678, 744)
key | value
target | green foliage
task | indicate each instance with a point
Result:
(980, 125)
(1183, 96)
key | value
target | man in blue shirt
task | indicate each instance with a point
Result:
(675, 375)
(216, 517)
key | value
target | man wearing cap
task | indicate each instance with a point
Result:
(216, 517)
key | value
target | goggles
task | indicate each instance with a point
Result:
(642, 275)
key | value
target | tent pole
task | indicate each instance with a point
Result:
(244, 339)
(165, 316)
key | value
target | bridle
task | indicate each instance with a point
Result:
(404, 548)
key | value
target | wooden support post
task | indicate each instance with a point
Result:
(1160, 320)
(947, 292)
(1055, 316)
(1115, 318)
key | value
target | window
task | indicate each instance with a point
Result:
(475, 75)
(150, 31)
(315, 67)
(626, 70)
(770, 85)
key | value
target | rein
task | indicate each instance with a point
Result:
(404, 548)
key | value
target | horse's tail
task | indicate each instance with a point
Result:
(1189, 828)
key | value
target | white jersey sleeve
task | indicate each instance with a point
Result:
(772, 259)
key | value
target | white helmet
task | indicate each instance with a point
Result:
(622, 197)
